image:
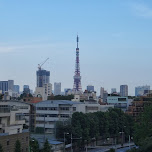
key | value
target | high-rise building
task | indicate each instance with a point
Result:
(113, 90)
(77, 78)
(10, 85)
(6, 85)
(17, 88)
(43, 77)
(90, 88)
(101, 92)
(124, 90)
(140, 90)
(57, 88)
(105, 95)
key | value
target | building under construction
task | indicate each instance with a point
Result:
(43, 76)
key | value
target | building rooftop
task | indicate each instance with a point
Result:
(3, 134)
(53, 142)
(58, 102)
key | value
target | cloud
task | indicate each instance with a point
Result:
(9, 48)
(141, 10)
(15, 48)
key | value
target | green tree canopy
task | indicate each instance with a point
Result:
(1, 148)
(34, 145)
(47, 147)
(17, 146)
(91, 126)
(143, 128)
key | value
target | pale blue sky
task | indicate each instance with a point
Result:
(115, 41)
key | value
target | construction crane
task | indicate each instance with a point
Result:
(40, 65)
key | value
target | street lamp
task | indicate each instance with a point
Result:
(122, 137)
(64, 139)
(130, 138)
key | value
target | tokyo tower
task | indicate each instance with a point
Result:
(77, 78)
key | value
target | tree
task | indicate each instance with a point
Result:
(34, 145)
(143, 128)
(143, 131)
(60, 97)
(47, 147)
(111, 150)
(90, 126)
(17, 146)
(1, 149)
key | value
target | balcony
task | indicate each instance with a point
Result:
(46, 125)
(19, 122)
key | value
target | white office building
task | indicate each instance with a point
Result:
(50, 111)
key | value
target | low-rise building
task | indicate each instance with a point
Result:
(118, 102)
(12, 121)
(138, 106)
(50, 111)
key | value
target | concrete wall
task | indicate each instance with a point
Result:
(8, 142)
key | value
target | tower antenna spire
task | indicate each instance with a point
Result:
(77, 40)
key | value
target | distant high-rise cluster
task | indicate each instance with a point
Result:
(141, 90)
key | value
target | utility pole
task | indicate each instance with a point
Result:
(44, 128)
(71, 143)
(129, 141)
(122, 137)
(64, 139)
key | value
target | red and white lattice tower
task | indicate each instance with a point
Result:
(77, 78)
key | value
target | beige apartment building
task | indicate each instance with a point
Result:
(12, 120)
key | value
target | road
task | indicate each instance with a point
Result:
(124, 149)
(106, 148)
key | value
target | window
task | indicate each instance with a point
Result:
(64, 108)
(74, 108)
(92, 108)
(26, 138)
(64, 116)
(18, 130)
(121, 99)
(53, 115)
(8, 142)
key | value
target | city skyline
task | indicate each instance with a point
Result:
(115, 46)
